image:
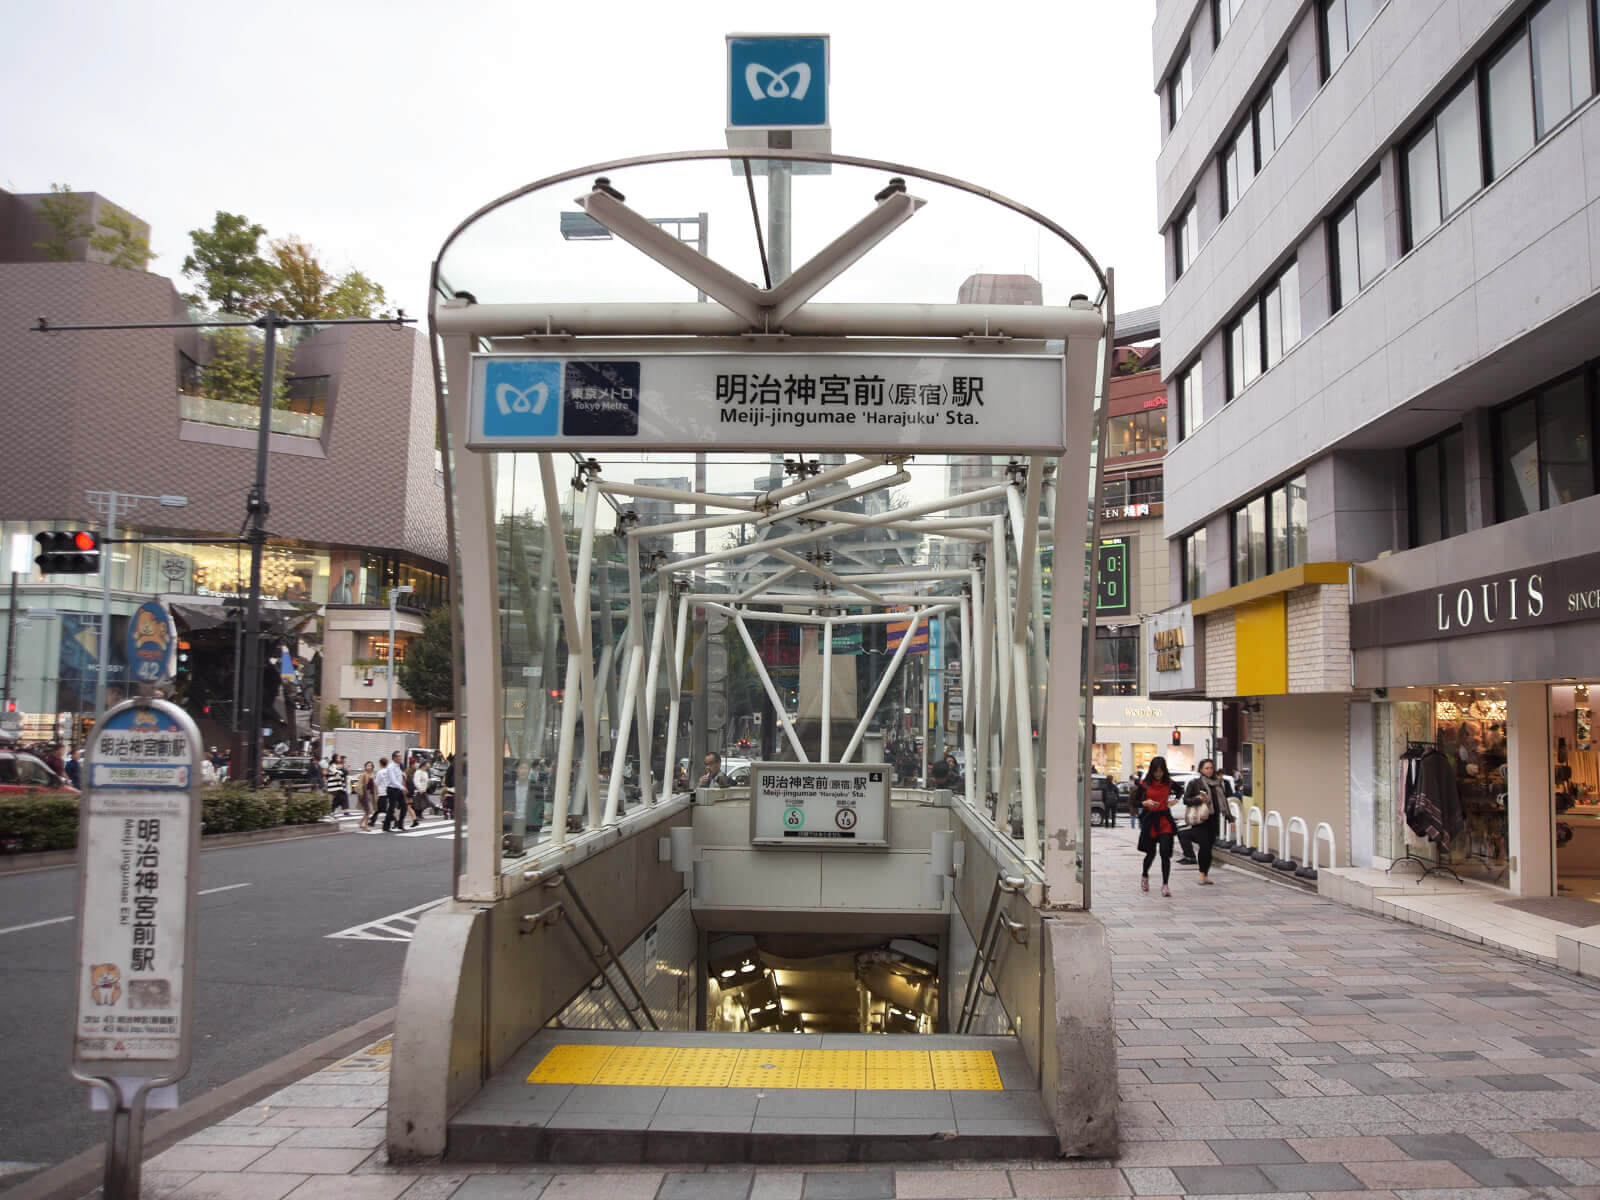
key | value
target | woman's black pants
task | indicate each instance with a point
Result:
(1204, 839)
(1164, 844)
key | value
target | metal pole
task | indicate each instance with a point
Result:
(779, 176)
(11, 635)
(256, 505)
(103, 646)
(388, 701)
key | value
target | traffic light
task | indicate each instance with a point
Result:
(68, 552)
(1177, 738)
(183, 660)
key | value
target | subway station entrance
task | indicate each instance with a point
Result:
(770, 631)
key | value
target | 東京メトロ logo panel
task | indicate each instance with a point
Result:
(522, 398)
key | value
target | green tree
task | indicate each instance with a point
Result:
(234, 372)
(425, 672)
(66, 212)
(228, 265)
(357, 296)
(302, 289)
(333, 717)
(121, 242)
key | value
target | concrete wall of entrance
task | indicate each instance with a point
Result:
(476, 987)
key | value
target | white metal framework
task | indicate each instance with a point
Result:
(803, 553)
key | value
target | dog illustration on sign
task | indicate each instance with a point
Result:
(105, 983)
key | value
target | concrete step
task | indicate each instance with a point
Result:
(589, 1096)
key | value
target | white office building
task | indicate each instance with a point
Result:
(1379, 337)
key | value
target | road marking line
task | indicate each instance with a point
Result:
(383, 928)
(37, 924)
(228, 887)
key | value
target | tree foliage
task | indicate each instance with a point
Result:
(234, 372)
(357, 296)
(121, 242)
(66, 212)
(227, 264)
(302, 288)
(425, 672)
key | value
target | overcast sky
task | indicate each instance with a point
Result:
(371, 129)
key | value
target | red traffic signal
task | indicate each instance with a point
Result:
(1177, 738)
(68, 552)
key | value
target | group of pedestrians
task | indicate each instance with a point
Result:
(389, 791)
(1203, 806)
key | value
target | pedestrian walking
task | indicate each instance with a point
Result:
(337, 783)
(367, 796)
(419, 789)
(450, 786)
(1205, 805)
(393, 781)
(1156, 827)
(74, 766)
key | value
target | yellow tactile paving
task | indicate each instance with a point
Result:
(844, 1069)
(571, 1064)
(964, 1071)
(701, 1067)
(899, 1070)
(709, 1066)
(636, 1066)
(766, 1069)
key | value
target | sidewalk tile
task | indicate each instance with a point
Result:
(1166, 1154)
(1411, 1174)
(593, 1186)
(1448, 1146)
(698, 1185)
(232, 1186)
(238, 1135)
(1253, 1151)
(1312, 1177)
(206, 1158)
(1510, 1172)
(947, 1185)
(777, 1185)
(1346, 1149)
(1152, 1181)
(1577, 1145)
(327, 1118)
(334, 1139)
(306, 1160)
(1222, 1181)
(1092, 1181)
(353, 1187)
(849, 1185)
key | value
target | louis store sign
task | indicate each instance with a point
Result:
(1546, 594)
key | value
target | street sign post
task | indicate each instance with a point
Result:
(778, 84)
(138, 844)
(152, 643)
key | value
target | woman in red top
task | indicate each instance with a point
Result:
(1156, 827)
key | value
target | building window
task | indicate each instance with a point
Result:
(191, 376)
(1144, 489)
(1536, 79)
(1194, 565)
(1180, 87)
(1222, 14)
(1186, 238)
(1253, 143)
(1270, 532)
(1442, 166)
(1191, 401)
(1116, 660)
(1343, 23)
(1438, 473)
(1357, 252)
(1137, 433)
(1267, 329)
(1544, 449)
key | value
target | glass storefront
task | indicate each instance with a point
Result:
(1575, 790)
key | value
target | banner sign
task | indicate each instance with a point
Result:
(896, 630)
(138, 841)
(965, 404)
(152, 643)
(819, 806)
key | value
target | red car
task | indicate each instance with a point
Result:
(21, 772)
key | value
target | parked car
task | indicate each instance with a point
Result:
(23, 772)
(291, 770)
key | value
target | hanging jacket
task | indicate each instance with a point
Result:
(1433, 803)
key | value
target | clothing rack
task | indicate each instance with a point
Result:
(1415, 749)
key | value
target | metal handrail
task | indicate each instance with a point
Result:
(993, 922)
(604, 958)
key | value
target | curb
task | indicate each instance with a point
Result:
(48, 860)
(81, 1174)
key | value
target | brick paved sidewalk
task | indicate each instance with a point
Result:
(1272, 1043)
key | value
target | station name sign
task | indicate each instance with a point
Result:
(968, 404)
(819, 806)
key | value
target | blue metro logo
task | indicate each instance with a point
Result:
(777, 81)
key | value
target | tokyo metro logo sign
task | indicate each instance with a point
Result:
(777, 82)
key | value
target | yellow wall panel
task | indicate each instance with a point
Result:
(1261, 647)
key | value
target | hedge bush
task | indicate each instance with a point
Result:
(33, 821)
(234, 808)
(304, 807)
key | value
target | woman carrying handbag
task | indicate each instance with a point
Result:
(1156, 827)
(1205, 803)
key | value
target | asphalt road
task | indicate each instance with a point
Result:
(269, 978)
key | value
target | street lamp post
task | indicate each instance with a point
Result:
(388, 704)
